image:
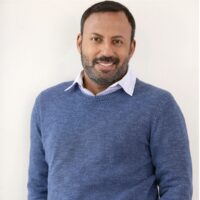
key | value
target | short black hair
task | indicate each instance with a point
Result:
(109, 6)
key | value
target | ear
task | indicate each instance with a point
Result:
(79, 42)
(132, 48)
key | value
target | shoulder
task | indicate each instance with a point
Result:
(53, 92)
(152, 94)
(158, 100)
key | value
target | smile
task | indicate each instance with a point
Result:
(105, 66)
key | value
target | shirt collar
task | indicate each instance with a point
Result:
(127, 82)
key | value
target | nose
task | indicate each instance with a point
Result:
(107, 49)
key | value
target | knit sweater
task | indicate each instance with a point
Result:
(111, 147)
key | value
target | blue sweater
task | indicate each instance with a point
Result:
(112, 147)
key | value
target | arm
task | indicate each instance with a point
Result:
(170, 152)
(38, 169)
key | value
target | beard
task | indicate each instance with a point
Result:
(101, 78)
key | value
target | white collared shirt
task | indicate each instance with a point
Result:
(127, 83)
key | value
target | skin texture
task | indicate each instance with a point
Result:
(106, 48)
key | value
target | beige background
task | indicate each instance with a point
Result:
(38, 50)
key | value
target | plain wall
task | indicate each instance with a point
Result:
(38, 50)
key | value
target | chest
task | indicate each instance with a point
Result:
(96, 134)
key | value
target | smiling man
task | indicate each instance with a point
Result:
(108, 135)
(105, 48)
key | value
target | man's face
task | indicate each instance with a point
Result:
(106, 47)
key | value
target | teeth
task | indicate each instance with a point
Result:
(106, 64)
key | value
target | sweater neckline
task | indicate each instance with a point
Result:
(97, 98)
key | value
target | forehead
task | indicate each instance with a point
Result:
(112, 23)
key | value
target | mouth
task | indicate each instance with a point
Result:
(105, 66)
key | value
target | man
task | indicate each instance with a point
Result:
(108, 135)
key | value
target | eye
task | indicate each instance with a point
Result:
(117, 42)
(96, 39)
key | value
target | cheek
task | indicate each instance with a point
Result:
(124, 57)
(88, 48)
(88, 51)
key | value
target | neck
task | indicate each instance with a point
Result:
(91, 85)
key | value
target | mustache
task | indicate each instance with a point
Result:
(112, 59)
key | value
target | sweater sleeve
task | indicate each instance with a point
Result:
(170, 151)
(38, 168)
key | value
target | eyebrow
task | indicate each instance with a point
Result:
(114, 37)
